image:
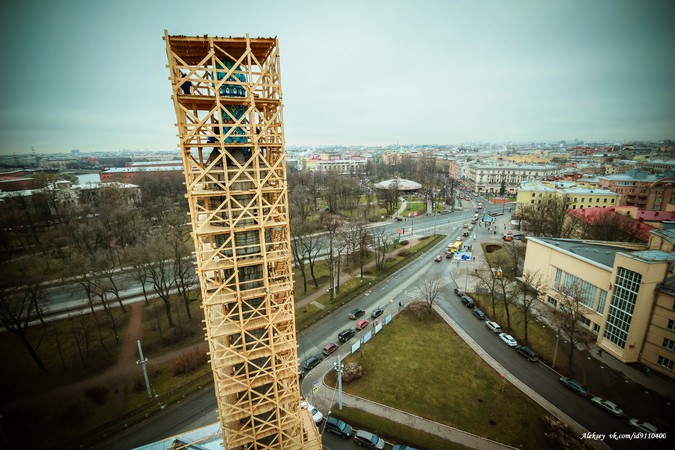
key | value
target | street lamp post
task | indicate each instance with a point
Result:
(338, 366)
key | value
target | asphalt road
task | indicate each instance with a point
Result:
(200, 409)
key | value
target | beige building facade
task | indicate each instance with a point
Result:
(626, 293)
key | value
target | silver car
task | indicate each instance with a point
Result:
(607, 406)
(368, 440)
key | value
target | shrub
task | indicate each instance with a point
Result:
(188, 362)
(351, 372)
(97, 394)
(404, 242)
(404, 252)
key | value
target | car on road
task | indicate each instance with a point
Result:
(329, 348)
(493, 326)
(458, 293)
(466, 225)
(356, 313)
(480, 315)
(377, 312)
(468, 301)
(528, 353)
(345, 335)
(645, 427)
(316, 414)
(361, 324)
(508, 339)
(368, 440)
(574, 385)
(301, 372)
(403, 447)
(465, 234)
(507, 237)
(438, 258)
(608, 406)
(312, 362)
(337, 426)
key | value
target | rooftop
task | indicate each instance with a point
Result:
(599, 254)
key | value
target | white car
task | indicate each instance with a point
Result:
(645, 427)
(493, 326)
(508, 339)
(316, 414)
(608, 406)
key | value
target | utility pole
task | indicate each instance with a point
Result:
(142, 362)
(338, 366)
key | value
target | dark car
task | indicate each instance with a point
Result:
(468, 301)
(465, 234)
(356, 313)
(528, 353)
(458, 293)
(574, 385)
(337, 426)
(301, 372)
(377, 312)
(311, 362)
(480, 315)
(346, 335)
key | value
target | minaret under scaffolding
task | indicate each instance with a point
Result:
(227, 97)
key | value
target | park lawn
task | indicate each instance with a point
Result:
(424, 368)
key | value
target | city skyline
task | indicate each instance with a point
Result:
(92, 76)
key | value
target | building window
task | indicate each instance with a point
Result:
(671, 324)
(585, 321)
(601, 301)
(613, 200)
(669, 344)
(596, 328)
(588, 293)
(558, 277)
(604, 200)
(665, 362)
(621, 308)
(551, 301)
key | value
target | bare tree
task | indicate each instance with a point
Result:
(429, 288)
(529, 289)
(567, 318)
(17, 308)
(548, 218)
(382, 241)
(331, 223)
(161, 273)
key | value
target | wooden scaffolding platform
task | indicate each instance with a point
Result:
(227, 97)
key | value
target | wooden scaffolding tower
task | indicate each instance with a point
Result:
(227, 97)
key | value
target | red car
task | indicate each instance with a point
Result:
(329, 348)
(437, 258)
(361, 324)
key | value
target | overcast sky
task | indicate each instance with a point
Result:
(91, 75)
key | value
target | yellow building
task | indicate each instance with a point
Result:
(627, 293)
(537, 192)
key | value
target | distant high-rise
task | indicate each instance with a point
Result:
(227, 97)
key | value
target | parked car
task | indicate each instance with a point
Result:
(493, 326)
(438, 258)
(518, 236)
(329, 348)
(608, 406)
(377, 312)
(465, 234)
(403, 447)
(573, 384)
(528, 353)
(507, 237)
(301, 372)
(346, 335)
(458, 293)
(316, 414)
(356, 313)
(508, 339)
(468, 301)
(368, 440)
(361, 324)
(645, 427)
(480, 315)
(337, 426)
(312, 362)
